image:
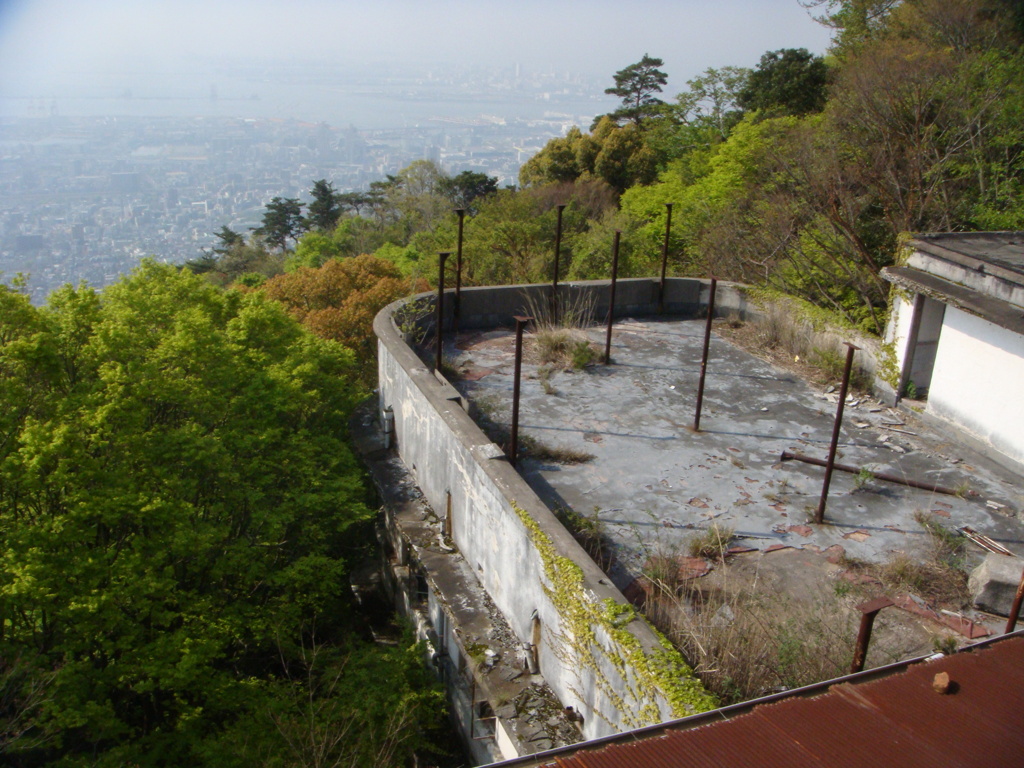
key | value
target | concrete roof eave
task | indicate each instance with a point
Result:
(995, 311)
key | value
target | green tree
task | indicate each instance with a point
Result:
(856, 21)
(282, 222)
(619, 156)
(323, 212)
(463, 190)
(711, 105)
(636, 86)
(177, 507)
(790, 81)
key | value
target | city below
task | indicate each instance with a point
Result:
(92, 183)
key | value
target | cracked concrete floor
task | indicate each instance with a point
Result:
(653, 482)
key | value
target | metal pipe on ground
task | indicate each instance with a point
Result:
(884, 476)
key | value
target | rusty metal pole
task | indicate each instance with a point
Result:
(868, 612)
(440, 305)
(611, 298)
(664, 258)
(521, 322)
(704, 356)
(558, 252)
(1011, 623)
(461, 213)
(819, 516)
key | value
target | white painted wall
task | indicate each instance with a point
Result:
(978, 381)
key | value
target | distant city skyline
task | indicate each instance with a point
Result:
(64, 49)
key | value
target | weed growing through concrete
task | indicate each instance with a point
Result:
(588, 530)
(582, 355)
(862, 478)
(449, 367)
(559, 454)
(544, 374)
(711, 543)
(559, 336)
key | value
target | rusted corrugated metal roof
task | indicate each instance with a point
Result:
(898, 720)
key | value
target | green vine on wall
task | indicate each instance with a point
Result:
(645, 675)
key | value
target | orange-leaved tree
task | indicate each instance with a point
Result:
(340, 299)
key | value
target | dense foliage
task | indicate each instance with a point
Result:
(178, 508)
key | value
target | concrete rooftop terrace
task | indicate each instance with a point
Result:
(653, 482)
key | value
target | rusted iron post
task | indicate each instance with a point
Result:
(611, 298)
(1011, 623)
(704, 355)
(558, 253)
(461, 213)
(819, 516)
(664, 258)
(521, 322)
(868, 612)
(884, 476)
(440, 305)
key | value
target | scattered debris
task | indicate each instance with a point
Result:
(984, 541)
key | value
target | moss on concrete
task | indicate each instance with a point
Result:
(647, 675)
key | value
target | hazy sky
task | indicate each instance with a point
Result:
(49, 44)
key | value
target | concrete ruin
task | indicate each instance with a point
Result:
(538, 645)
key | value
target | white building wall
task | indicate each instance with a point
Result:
(897, 331)
(978, 381)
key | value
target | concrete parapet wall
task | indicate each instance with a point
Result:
(594, 653)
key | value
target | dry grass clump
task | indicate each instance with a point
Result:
(559, 336)
(711, 543)
(793, 336)
(749, 643)
(563, 348)
(939, 578)
(559, 454)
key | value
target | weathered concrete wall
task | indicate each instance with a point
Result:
(597, 658)
(992, 281)
(976, 382)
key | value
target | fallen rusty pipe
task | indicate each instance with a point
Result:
(786, 456)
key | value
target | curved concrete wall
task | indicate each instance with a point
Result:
(449, 454)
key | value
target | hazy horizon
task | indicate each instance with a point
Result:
(64, 50)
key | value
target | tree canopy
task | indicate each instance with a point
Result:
(177, 512)
(282, 222)
(790, 81)
(636, 86)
